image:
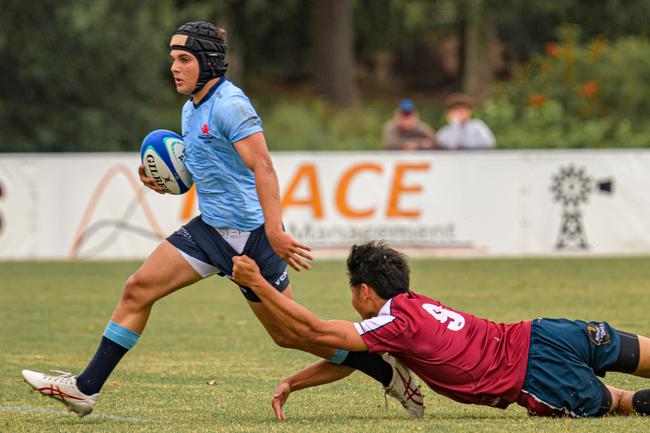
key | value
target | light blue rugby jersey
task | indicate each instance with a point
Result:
(224, 185)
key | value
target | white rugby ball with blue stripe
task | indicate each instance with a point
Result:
(163, 153)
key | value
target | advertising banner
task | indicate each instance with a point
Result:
(499, 203)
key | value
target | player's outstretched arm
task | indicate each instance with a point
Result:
(337, 334)
(253, 151)
(318, 373)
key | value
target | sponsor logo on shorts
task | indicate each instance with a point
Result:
(598, 333)
(281, 278)
(183, 232)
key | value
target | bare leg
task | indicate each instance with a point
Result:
(281, 335)
(322, 372)
(621, 401)
(370, 364)
(164, 272)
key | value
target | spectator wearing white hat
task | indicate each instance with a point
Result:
(463, 132)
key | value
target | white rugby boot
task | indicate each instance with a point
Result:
(404, 388)
(64, 389)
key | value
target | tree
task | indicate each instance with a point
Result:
(479, 37)
(334, 62)
(82, 75)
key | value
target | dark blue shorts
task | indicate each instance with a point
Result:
(564, 361)
(202, 242)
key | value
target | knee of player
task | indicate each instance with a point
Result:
(135, 293)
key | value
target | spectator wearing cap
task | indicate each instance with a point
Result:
(463, 132)
(405, 131)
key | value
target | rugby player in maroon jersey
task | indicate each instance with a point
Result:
(549, 366)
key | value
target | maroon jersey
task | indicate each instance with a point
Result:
(463, 357)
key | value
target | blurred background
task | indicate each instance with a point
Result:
(560, 89)
(93, 75)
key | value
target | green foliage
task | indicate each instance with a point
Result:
(312, 124)
(576, 95)
(315, 125)
(92, 75)
(528, 25)
(274, 38)
(81, 75)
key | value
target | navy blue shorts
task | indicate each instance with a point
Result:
(564, 361)
(202, 242)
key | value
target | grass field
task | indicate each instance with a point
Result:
(52, 314)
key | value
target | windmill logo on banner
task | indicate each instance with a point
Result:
(571, 187)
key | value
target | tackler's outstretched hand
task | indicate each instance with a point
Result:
(280, 396)
(149, 182)
(245, 271)
(293, 252)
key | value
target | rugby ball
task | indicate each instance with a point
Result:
(163, 153)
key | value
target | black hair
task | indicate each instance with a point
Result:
(380, 267)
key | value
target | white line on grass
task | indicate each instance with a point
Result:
(29, 409)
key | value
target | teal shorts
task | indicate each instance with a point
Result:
(565, 359)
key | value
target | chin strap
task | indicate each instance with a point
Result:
(205, 42)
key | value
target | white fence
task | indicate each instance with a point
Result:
(498, 203)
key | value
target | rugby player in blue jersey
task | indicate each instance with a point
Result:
(239, 201)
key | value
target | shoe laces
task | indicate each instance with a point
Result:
(64, 377)
(387, 392)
